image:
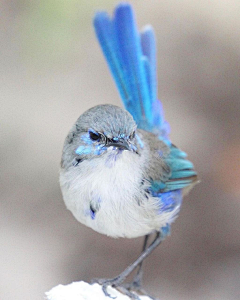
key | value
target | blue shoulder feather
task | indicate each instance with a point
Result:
(132, 60)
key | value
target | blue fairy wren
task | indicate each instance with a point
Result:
(120, 173)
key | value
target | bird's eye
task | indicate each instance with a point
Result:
(94, 136)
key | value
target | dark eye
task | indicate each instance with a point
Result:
(94, 136)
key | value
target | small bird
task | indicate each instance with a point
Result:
(120, 173)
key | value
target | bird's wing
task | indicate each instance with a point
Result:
(181, 175)
(168, 168)
(131, 57)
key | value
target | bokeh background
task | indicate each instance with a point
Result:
(52, 70)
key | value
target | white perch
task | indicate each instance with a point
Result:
(84, 291)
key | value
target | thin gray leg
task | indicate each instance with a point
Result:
(117, 281)
(136, 284)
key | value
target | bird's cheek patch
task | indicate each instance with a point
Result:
(81, 150)
(86, 139)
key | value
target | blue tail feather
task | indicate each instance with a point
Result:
(131, 54)
(107, 39)
(131, 57)
(148, 44)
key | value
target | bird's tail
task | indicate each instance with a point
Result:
(131, 57)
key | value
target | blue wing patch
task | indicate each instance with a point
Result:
(169, 201)
(182, 172)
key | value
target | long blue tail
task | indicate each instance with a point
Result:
(132, 60)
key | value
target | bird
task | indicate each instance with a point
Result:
(120, 173)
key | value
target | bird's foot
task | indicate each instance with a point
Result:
(136, 286)
(116, 283)
(128, 292)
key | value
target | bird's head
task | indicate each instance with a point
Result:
(101, 130)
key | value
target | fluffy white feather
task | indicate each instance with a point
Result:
(111, 183)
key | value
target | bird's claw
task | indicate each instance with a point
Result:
(115, 283)
(104, 288)
(136, 287)
(104, 282)
(128, 292)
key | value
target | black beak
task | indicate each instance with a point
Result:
(120, 143)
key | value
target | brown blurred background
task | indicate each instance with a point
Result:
(52, 70)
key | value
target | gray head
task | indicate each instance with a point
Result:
(98, 129)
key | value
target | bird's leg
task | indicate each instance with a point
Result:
(136, 284)
(117, 281)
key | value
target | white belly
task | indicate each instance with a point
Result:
(116, 186)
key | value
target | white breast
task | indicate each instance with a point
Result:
(115, 182)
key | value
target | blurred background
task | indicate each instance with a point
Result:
(52, 70)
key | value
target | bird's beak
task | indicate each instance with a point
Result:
(120, 143)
